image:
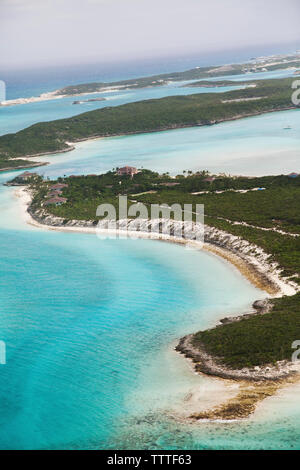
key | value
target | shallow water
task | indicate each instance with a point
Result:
(90, 324)
(253, 146)
(14, 118)
(17, 117)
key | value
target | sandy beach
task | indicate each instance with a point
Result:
(254, 267)
(55, 95)
(233, 397)
(33, 99)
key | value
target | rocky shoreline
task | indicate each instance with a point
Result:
(249, 259)
(209, 365)
(255, 384)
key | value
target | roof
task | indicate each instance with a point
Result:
(54, 193)
(126, 167)
(27, 173)
(169, 184)
(59, 186)
(54, 200)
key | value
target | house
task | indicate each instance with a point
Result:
(54, 193)
(169, 185)
(293, 175)
(58, 186)
(127, 170)
(58, 201)
(210, 179)
(26, 176)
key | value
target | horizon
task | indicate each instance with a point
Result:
(194, 30)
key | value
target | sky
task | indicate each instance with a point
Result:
(56, 32)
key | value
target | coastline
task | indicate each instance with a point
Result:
(51, 95)
(250, 260)
(70, 146)
(163, 79)
(21, 167)
(251, 385)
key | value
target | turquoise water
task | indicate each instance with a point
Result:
(90, 324)
(14, 118)
(90, 327)
(253, 146)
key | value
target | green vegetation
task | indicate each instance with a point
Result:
(256, 340)
(252, 341)
(277, 198)
(147, 116)
(219, 83)
(278, 204)
(85, 193)
(14, 164)
(192, 74)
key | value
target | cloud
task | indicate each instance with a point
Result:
(70, 31)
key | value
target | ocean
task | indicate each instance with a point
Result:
(90, 324)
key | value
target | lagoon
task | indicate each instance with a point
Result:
(253, 146)
(17, 117)
(90, 324)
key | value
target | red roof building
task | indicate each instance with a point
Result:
(209, 179)
(54, 193)
(127, 170)
(58, 201)
(26, 175)
(58, 186)
(170, 184)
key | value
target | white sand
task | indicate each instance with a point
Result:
(258, 259)
(213, 391)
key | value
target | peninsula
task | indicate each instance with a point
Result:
(255, 66)
(152, 115)
(253, 349)
(267, 243)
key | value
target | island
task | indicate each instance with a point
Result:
(254, 66)
(89, 100)
(258, 65)
(254, 349)
(262, 96)
(218, 83)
